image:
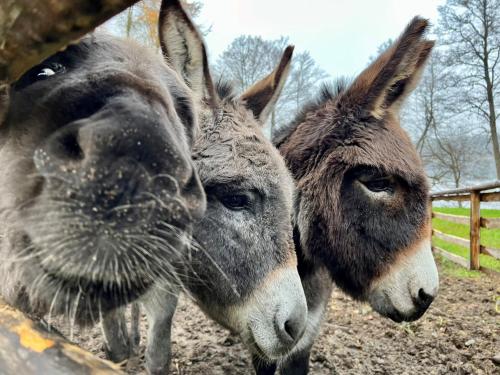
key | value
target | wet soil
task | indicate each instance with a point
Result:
(460, 334)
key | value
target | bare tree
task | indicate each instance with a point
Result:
(455, 155)
(380, 49)
(452, 145)
(250, 58)
(470, 33)
(140, 22)
(303, 81)
(433, 102)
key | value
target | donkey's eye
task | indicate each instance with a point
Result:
(49, 70)
(45, 72)
(236, 202)
(384, 185)
(379, 185)
(39, 73)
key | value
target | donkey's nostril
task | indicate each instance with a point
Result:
(292, 329)
(290, 325)
(424, 300)
(69, 147)
(64, 147)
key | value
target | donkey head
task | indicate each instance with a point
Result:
(362, 207)
(98, 189)
(245, 274)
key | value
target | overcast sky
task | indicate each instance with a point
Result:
(340, 34)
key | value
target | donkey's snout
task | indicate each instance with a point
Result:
(290, 323)
(409, 289)
(120, 163)
(278, 315)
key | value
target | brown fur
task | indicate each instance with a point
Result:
(358, 126)
(362, 201)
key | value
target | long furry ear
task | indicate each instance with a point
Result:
(386, 83)
(4, 101)
(184, 48)
(263, 95)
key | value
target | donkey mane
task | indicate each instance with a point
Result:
(225, 90)
(327, 92)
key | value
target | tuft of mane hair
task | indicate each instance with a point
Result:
(225, 89)
(327, 92)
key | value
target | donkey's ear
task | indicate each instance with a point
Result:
(4, 101)
(394, 74)
(183, 47)
(262, 96)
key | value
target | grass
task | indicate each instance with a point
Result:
(453, 269)
(466, 212)
(489, 237)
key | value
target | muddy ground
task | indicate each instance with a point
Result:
(460, 334)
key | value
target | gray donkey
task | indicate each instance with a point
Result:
(246, 278)
(98, 192)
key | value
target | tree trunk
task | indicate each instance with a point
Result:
(457, 185)
(493, 129)
(489, 90)
(31, 31)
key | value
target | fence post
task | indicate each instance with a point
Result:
(475, 229)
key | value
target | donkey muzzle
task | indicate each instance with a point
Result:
(409, 287)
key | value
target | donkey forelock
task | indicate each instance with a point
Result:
(232, 148)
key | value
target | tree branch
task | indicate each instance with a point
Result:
(31, 31)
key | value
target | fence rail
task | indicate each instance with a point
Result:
(475, 195)
(26, 347)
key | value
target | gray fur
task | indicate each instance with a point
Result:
(244, 273)
(98, 191)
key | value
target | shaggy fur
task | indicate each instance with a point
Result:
(98, 191)
(244, 275)
(362, 201)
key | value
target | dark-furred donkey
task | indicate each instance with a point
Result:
(246, 276)
(362, 207)
(98, 191)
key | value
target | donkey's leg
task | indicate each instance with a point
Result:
(116, 341)
(297, 364)
(263, 368)
(135, 325)
(160, 309)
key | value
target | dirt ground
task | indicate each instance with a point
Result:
(460, 334)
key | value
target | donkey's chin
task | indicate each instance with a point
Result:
(82, 297)
(409, 287)
(84, 277)
(86, 301)
(274, 318)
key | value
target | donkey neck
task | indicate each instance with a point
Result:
(305, 266)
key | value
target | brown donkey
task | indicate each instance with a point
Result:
(361, 213)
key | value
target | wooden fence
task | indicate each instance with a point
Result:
(489, 192)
